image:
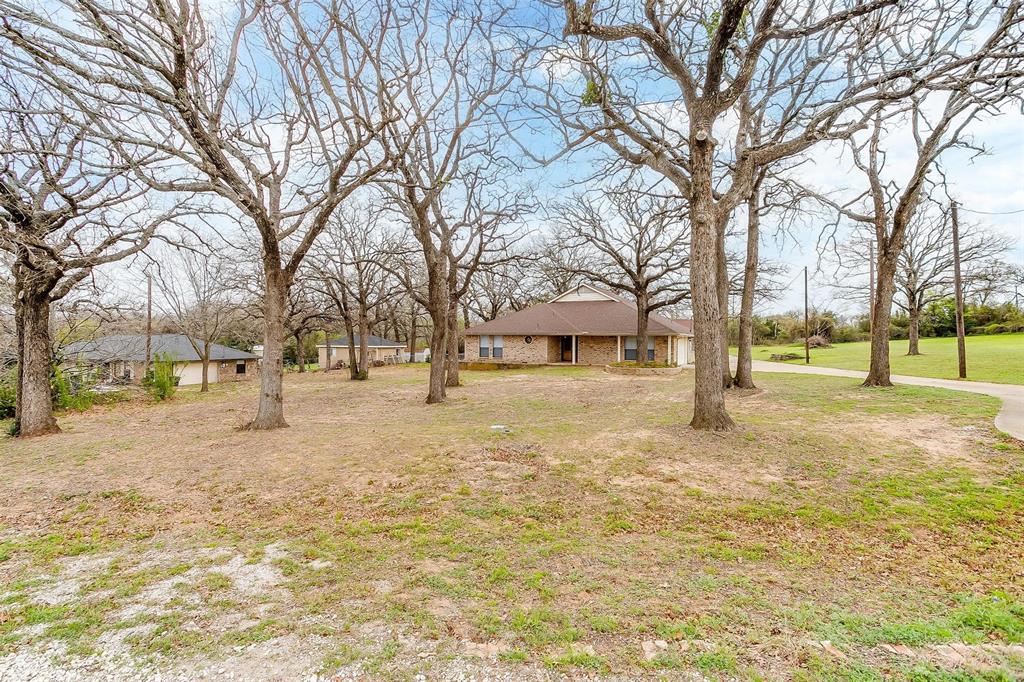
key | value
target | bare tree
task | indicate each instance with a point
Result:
(938, 120)
(195, 298)
(924, 272)
(451, 181)
(636, 243)
(986, 281)
(503, 286)
(67, 206)
(769, 195)
(304, 313)
(278, 113)
(794, 55)
(353, 263)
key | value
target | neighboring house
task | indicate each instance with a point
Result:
(418, 356)
(377, 348)
(122, 357)
(583, 326)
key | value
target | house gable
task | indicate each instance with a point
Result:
(583, 292)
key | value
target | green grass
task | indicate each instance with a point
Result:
(998, 358)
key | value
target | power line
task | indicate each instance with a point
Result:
(1015, 212)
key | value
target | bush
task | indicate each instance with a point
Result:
(848, 334)
(8, 393)
(74, 390)
(162, 382)
(631, 363)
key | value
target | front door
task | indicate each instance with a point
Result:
(566, 349)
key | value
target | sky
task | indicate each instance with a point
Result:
(990, 187)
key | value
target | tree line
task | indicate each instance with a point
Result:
(360, 149)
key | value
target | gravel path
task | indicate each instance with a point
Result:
(1010, 418)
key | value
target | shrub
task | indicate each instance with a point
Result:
(631, 363)
(75, 390)
(161, 381)
(8, 393)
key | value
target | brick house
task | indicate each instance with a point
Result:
(582, 326)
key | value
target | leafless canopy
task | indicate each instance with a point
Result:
(275, 108)
(67, 206)
(453, 182)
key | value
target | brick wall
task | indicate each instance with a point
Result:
(596, 350)
(515, 349)
(661, 349)
(227, 371)
(593, 350)
(554, 348)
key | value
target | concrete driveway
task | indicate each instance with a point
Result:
(1010, 418)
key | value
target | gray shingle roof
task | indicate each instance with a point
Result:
(132, 347)
(596, 318)
(371, 341)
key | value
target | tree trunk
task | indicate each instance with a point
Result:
(364, 346)
(438, 348)
(452, 361)
(709, 411)
(327, 354)
(878, 372)
(412, 332)
(34, 404)
(914, 333)
(205, 387)
(300, 352)
(270, 414)
(353, 357)
(641, 327)
(744, 351)
(722, 283)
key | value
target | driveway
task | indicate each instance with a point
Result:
(1010, 418)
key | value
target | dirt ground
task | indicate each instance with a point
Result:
(545, 524)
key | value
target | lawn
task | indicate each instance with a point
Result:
(998, 358)
(558, 520)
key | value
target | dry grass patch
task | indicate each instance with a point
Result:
(378, 535)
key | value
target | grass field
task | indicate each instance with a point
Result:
(840, 534)
(998, 358)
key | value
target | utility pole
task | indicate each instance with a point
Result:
(327, 342)
(961, 349)
(807, 325)
(149, 323)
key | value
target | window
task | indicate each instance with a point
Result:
(499, 346)
(630, 353)
(240, 367)
(630, 348)
(485, 342)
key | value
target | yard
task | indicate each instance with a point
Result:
(998, 358)
(544, 522)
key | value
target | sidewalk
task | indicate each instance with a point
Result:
(1010, 418)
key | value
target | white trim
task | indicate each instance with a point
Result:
(584, 286)
(618, 349)
(574, 349)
